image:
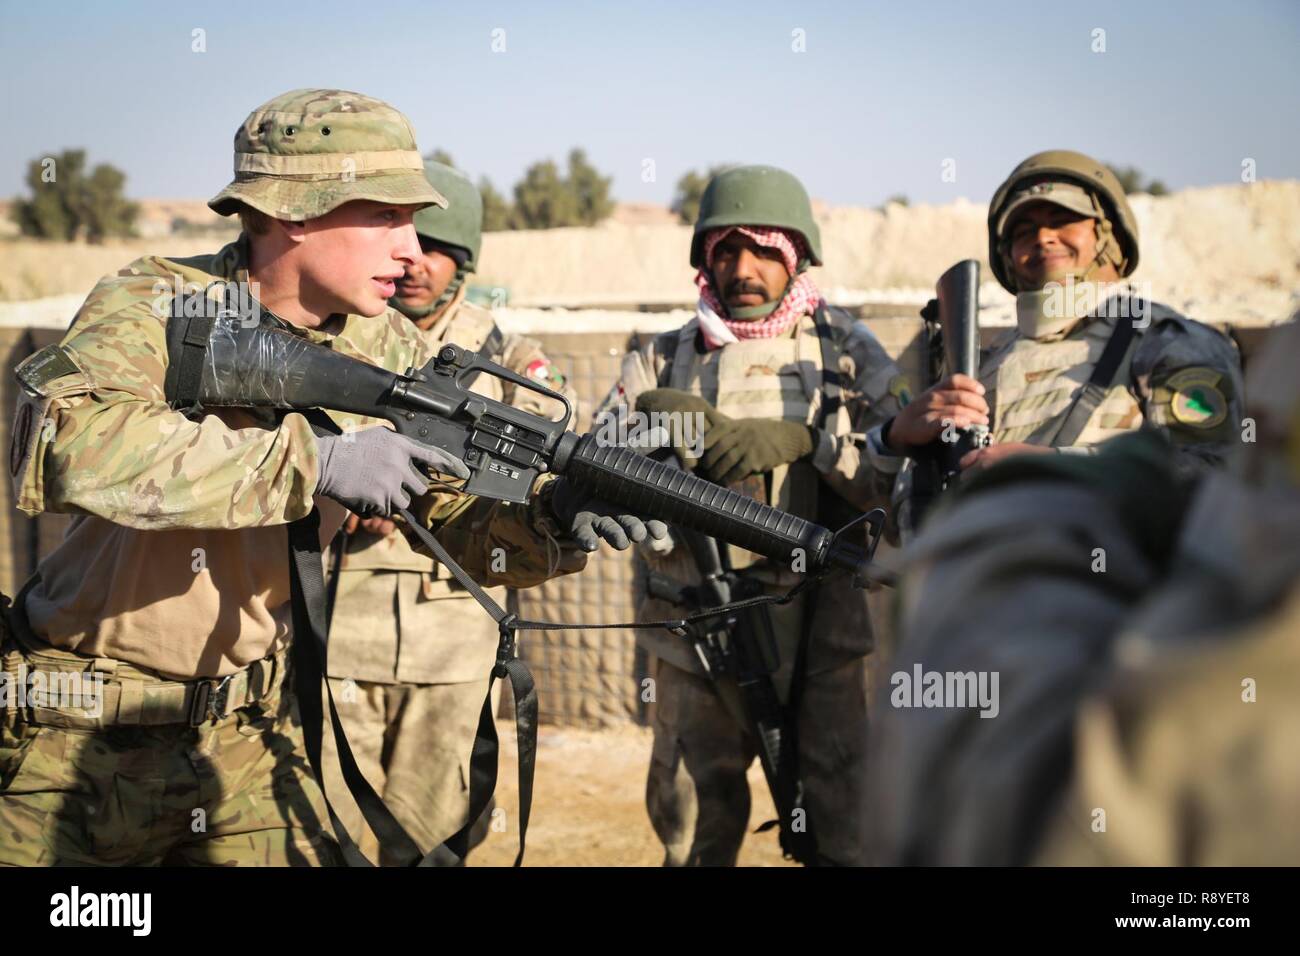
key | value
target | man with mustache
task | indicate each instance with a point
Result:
(410, 649)
(783, 388)
(1089, 358)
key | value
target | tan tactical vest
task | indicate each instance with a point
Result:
(766, 378)
(1032, 382)
(762, 378)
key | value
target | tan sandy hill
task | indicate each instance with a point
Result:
(1223, 253)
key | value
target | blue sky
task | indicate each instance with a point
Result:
(882, 94)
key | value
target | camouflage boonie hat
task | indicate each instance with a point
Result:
(307, 152)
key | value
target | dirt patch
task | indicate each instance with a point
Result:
(589, 803)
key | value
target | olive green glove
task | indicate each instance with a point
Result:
(680, 405)
(673, 400)
(739, 447)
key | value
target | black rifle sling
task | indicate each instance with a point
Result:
(310, 664)
(338, 551)
(483, 758)
(803, 845)
(1067, 428)
(307, 593)
(311, 609)
(187, 344)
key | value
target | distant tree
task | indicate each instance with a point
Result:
(690, 189)
(68, 204)
(589, 188)
(497, 212)
(440, 155)
(543, 199)
(107, 211)
(1134, 181)
(898, 199)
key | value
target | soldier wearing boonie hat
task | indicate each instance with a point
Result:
(307, 152)
(171, 586)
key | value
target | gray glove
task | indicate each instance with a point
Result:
(587, 520)
(372, 471)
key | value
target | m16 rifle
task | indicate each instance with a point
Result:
(235, 359)
(506, 449)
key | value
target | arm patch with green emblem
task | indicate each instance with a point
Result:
(1197, 400)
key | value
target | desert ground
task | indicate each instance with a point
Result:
(589, 803)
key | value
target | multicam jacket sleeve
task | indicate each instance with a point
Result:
(94, 434)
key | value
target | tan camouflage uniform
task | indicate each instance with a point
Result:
(1180, 376)
(174, 570)
(697, 793)
(1148, 705)
(410, 650)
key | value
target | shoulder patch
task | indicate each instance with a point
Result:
(540, 370)
(900, 388)
(1197, 398)
(41, 368)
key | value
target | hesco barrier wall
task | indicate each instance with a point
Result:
(586, 678)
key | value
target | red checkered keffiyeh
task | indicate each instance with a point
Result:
(801, 299)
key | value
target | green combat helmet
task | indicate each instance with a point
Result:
(1076, 182)
(458, 228)
(460, 224)
(756, 196)
(307, 152)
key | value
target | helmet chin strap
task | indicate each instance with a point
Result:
(746, 313)
(423, 312)
(1108, 252)
(1041, 313)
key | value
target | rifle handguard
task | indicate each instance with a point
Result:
(655, 490)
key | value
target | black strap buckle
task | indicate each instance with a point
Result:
(506, 647)
(211, 701)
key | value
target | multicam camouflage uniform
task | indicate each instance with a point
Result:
(1148, 704)
(172, 581)
(410, 650)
